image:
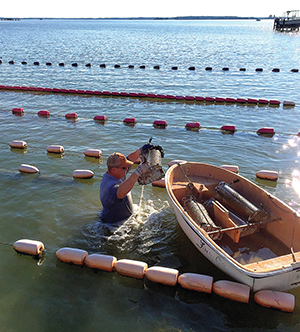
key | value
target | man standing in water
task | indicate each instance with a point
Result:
(115, 189)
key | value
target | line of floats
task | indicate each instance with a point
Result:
(160, 124)
(157, 67)
(162, 275)
(97, 153)
(153, 96)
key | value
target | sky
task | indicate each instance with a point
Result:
(138, 8)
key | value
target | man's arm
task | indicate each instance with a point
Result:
(126, 185)
(133, 156)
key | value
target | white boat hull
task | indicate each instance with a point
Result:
(281, 279)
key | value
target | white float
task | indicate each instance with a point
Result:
(172, 162)
(289, 103)
(95, 153)
(101, 262)
(131, 268)
(163, 275)
(55, 149)
(274, 299)
(197, 282)
(30, 247)
(267, 175)
(232, 290)
(18, 144)
(232, 168)
(28, 168)
(83, 174)
(71, 255)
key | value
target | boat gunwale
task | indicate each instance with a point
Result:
(213, 245)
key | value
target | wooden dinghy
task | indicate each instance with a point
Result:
(242, 229)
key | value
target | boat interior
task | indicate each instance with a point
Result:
(258, 233)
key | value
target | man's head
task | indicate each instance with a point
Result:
(118, 165)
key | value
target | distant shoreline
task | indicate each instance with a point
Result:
(146, 18)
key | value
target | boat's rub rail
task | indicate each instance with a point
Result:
(273, 263)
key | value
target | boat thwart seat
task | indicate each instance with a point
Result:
(274, 263)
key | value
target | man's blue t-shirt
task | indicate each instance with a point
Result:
(114, 209)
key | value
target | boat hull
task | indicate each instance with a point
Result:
(280, 279)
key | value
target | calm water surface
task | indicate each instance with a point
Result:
(59, 211)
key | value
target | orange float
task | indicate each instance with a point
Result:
(55, 149)
(83, 174)
(95, 153)
(24, 168)
(267, 175)
(30, 247)
(101, 262)
(274, 299)
(71, 255)
(232, 168)
(131, 268)
(18, 144)
(232, 290)
(197, 282)
(162, 275)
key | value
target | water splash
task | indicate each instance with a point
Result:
(146, 234)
